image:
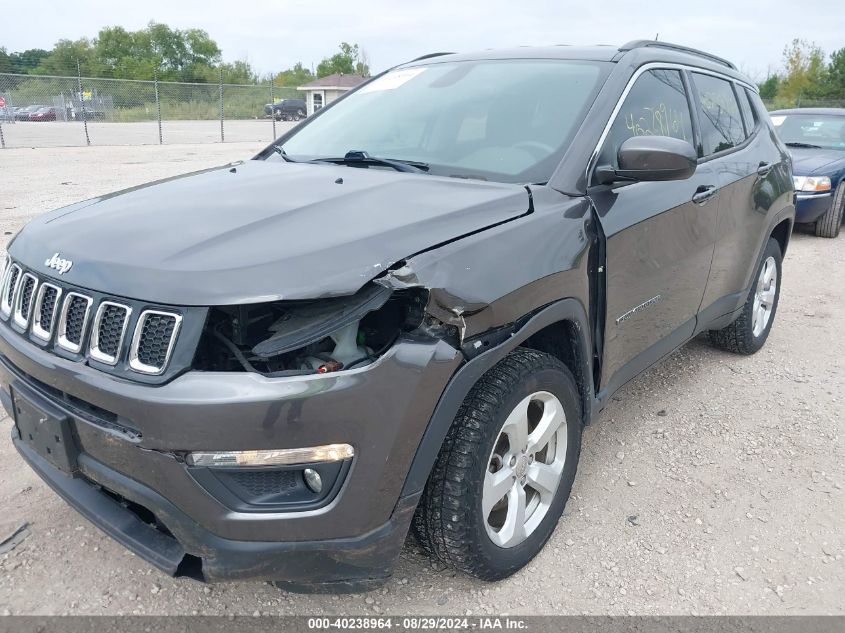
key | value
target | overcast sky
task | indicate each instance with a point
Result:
(274, 34)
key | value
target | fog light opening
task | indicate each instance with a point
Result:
(313, 480)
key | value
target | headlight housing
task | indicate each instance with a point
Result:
(811, 183)
(292, 338)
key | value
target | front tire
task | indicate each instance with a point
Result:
(830, 223)
(748, 333)
(506, 468)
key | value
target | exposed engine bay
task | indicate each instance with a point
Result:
(289, 338)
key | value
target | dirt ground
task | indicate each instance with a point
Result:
(713, 484)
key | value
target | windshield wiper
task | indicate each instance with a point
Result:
(356, 157)
(281, 152)
(805, 145)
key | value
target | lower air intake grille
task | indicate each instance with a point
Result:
(265, 482)
(76, 312)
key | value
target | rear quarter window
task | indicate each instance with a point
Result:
(748, 113)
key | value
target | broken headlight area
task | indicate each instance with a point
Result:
(289, 338)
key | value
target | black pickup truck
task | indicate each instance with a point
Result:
(287, 109)
(276, 368)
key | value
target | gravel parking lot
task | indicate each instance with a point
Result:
(713, 484)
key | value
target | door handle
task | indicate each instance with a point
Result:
(703, 194)
(763, 169)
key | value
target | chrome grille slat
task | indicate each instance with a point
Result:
(27, 287)
(108, 331)
(10, 287)
(6, 263)
(153, 341)
(74, 321)
(47, 302)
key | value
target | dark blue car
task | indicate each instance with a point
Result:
(816, 139)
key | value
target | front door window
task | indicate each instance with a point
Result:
(656, 105)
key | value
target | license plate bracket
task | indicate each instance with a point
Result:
(46, 430)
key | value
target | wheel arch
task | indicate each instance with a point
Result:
(541, 331)
(562, 340)
(781, 232)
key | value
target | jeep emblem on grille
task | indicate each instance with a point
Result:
(58, 263)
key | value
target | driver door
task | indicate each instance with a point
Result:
(660, 236)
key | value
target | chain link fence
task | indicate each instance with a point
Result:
(781, 103)
(53, 111)
(56, 111)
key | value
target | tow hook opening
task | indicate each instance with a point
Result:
(190, 567)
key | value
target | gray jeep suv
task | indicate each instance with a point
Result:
(398, 316)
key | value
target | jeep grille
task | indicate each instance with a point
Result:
(80, 323)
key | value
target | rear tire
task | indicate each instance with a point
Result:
(830, 223)
(749, 331)
(484, 476)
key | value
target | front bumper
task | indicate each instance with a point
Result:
(186, 549)
(382, 410)
(809, 207)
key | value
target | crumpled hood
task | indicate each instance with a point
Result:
(810, 162)
(259, 231)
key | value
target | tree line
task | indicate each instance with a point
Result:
(189, 55)
(808, 75)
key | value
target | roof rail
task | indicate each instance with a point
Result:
(429, 55)
(675, 47)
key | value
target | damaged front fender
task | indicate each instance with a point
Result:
(496, 277)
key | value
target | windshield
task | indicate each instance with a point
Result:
(503, 120)
(822, 130)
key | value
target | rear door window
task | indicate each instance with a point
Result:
(718, 113)
(656, 105)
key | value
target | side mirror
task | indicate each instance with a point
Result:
(651, 158)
